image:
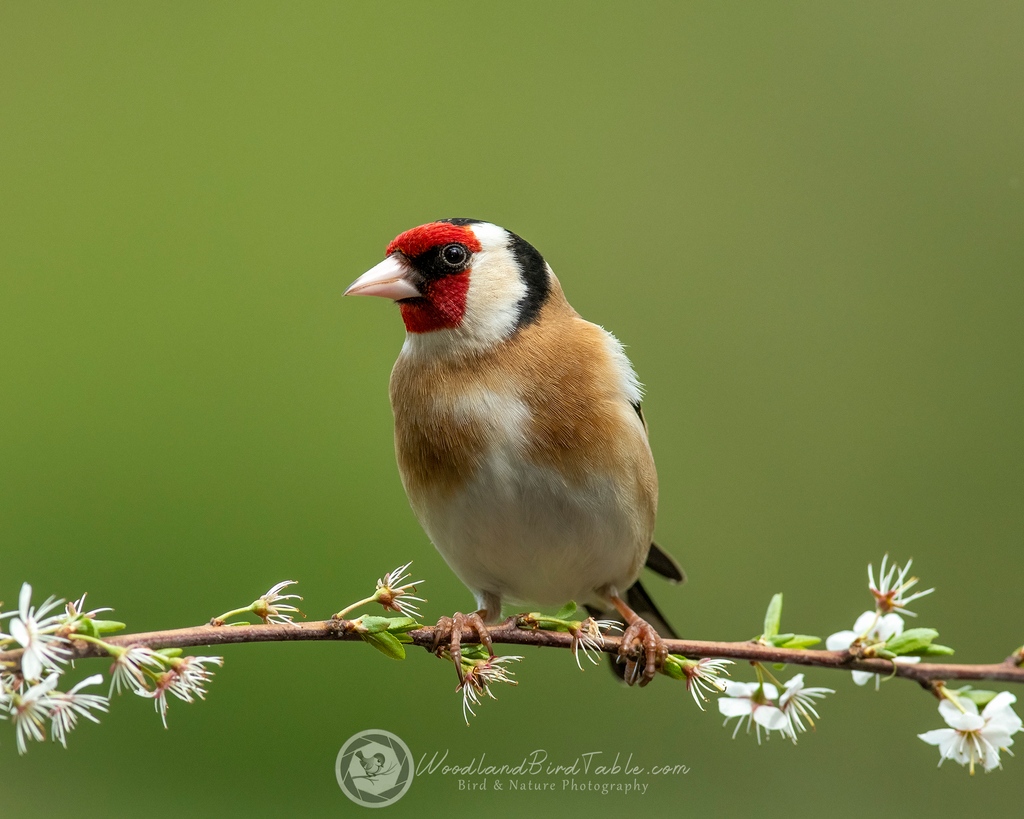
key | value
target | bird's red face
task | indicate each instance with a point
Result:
(427, 272)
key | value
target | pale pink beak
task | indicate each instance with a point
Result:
(388, 279)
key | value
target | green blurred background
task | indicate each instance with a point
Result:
(805, 220)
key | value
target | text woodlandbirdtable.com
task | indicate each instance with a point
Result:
(593, 771)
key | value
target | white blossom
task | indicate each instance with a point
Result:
(186, 679)
(589, 636)
(478, 678)
(892, 585)
(29, 711)
(797, 703)
(33, 629)
(270, 610)
(129, 669)
(753, 703)
(193, 676)
(974, 738)
(704, 676)
(870, 629)
(76, 610)
(67, 707)
(394, 594)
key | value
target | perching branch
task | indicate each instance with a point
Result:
(509, 633)
(42, 641)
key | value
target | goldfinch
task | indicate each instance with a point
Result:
(520, 439)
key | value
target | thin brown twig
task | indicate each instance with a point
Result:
(925, 673)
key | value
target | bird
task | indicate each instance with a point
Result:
(520, 438)
(372, 765)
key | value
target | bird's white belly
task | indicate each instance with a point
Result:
(522, 532)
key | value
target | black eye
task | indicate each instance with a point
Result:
(454, 255)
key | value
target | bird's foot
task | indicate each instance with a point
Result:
(641, 644)
(448, 635)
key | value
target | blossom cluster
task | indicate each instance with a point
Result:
(874, 629)
(29, 693)
(759, 705)
(972, 738)
(478, 675)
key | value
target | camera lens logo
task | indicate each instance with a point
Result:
(374, 768)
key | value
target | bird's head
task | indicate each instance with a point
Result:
(460, 282)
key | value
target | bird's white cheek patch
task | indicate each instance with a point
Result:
(492, 303)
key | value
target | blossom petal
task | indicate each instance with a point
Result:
(95, 679)
(1006, 721)
(20, 633)
(840, 641)
(865, 622)
(955, 748)
(24, 600)
(793, 686)
(990, 758)
(937, 736)
(862, 677)
(731, 707)
(770, 717)
(999, 738)
(890, 625)
(1004, 699)
(966, 723)
(951, 713)
(31, 666)
(739, 689)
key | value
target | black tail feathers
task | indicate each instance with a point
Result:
(661, 562)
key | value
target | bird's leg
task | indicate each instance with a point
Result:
(641, 637)
(448, 631)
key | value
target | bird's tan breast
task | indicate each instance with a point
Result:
(551, 393)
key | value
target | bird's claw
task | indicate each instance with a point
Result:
(641, 642)
(448, 635)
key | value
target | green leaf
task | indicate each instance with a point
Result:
(372, 624)
(169, 652)
(554, 624)
(85, 625)
(935, 650)
(475, 652)
(979, 697)
(567, 611)
(800, 641)
(108, 626)
(402, 624)
(386, 644)
(773, 617)
(911, 641)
